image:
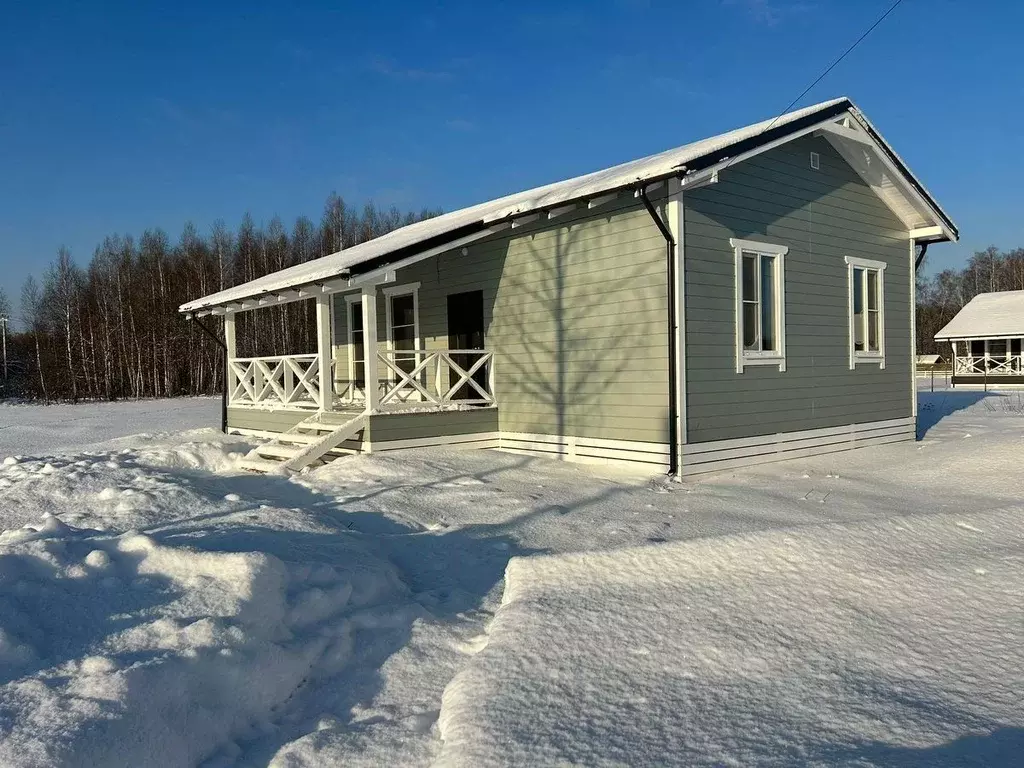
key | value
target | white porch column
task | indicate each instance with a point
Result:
(325, 352)
(230, 351)
(229, 335)
(369, 303)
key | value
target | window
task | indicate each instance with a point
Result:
(403, 325)
(356, 347)
(760, 304)
(867, 313)
(996, 353)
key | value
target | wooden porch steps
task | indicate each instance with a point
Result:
(302, 445)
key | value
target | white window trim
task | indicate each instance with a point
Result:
(351, 299)
(746, 357)
(857, 356)
(389, 293)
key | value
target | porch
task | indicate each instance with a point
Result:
(362, 368)
(992, 360)
(362, 393)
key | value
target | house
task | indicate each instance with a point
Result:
(985, 337)
(744, 298)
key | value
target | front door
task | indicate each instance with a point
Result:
(466, 331)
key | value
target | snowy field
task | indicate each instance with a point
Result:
(43, 429)
(158, 607)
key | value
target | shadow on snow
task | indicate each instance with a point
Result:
(933, 407)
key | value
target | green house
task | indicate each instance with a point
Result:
(740, 299)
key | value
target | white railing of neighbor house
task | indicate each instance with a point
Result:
(438, 376)
(987, 364)
(281, 380)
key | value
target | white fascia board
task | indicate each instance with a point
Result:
(377, 277)
(862, 138)
(848, 133)
(927, 233)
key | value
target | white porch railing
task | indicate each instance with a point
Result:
(986, 364)
(281, 380)
(438, 376)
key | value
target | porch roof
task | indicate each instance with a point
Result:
(695, 162)
(987, 316)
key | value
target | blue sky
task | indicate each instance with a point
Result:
(116, 116)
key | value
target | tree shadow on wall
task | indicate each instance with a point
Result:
(582, 325)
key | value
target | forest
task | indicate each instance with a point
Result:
(111, 329)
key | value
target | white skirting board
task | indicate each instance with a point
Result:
(699, 458)
(646, 457)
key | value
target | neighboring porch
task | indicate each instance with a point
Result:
(984, 361)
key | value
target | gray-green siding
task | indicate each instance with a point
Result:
(822, 216)
(415, 426)
(576, 315)
(265, 420)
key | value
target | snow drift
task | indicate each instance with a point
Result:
(895, 642)
(120, 648)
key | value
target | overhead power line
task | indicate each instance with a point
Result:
(833, 65)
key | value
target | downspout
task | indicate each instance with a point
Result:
(224, 392)
(920, 256)
(673, 332)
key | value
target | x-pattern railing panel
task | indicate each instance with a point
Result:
(406, 384)
(282, 379)
(397, 389)
(982, 364)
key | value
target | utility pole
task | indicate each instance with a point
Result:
(4, 319)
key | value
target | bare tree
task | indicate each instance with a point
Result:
(32, 319)
(112, 329)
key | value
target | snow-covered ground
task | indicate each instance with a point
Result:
(163, 608)
(873, 643)
(62, 427)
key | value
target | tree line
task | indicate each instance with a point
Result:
(940, 297)
(112, 330)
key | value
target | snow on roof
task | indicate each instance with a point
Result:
(929, 359)
(436, 230)
(986, 316)
(654, 166)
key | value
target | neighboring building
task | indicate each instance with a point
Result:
(985, 337)
(741, 299)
